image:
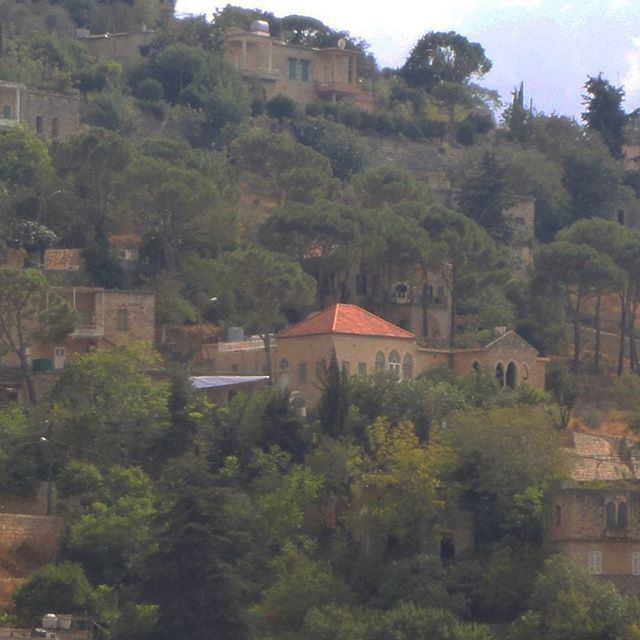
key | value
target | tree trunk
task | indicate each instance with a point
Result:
(452, 316)
(623, 326)
(266, 340)
(596, 357)
(27, 377)
(425, 309)
(577, 334)
(633, 355)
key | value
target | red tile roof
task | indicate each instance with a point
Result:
(345, 318)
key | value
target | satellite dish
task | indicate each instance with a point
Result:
(342, 43)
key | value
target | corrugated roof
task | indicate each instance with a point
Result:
(348, 319)
(215, 382)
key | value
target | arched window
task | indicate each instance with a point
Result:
(476, 367)
(512, 374)
(558, 515)
(394, 363)
(380, 361)
(525, 372)
(283, 378)
(500, 374)
(623, 515)
(611, 515)
(407, 366)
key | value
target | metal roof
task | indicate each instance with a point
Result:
(216, 382)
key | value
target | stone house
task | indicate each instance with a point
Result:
(363, 344)
(50, 114)
(594, 516)
(303, 73)
(128, 48)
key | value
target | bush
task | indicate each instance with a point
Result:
(150, 90)
(281, 107)
(55, 587)
(466, 133)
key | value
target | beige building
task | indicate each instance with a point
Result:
(127, 48)
(54, 115)
(595, 516)
(302, 73)
(363, 344)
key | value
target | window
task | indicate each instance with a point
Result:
(362, 368)
(40, 124)
(594, 562)
(623, 515)
(55, 129)
(611, 515)
(512, 375)
(394, 363)
(304, 70)
(427, 293)
(302, 372)
(293, 64)
(558, 515)
(519, 222)
(328, 74)
(440, 296)
(380, 361)
(345, 368)
(525, 372)
(350, 66)
(284, 365)
(635, 563)
(122, 320)
(6, 112)
(407, 366)
(402, 291)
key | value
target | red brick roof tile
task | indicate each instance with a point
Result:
(345, 318)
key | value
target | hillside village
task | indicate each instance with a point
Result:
(298, 347)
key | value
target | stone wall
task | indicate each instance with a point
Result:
(50, 114)
(140, 314)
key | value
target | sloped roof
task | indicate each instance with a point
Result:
(345, 319)
(600, 457)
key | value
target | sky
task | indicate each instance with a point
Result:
(550, 45)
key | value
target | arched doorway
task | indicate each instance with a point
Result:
(512, 375)
(500, 374)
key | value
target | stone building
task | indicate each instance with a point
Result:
(363, 344)
(595, 516)
(127, 48)
(50, 114)
(303, 73)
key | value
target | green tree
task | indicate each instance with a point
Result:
(107, 408)
(485, 196)
(604, 112)
(257, 288)
(570, 604)
(505, 461)
(444, 56)
(190, 573)
(580, 272)
(113, 533)
(281, 107)
(54, 587)
(563, 387)
(25, 320)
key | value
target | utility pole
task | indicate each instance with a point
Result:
(48, 440)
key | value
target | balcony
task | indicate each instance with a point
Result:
(340, 89)
(260, 74)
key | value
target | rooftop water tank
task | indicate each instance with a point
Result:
(260, 27)
(50, 621)
(235, 334)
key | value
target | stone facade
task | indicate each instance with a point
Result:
(298, 361)
(595, 516)
(54, 115)
(128, 49)
(302, 73)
